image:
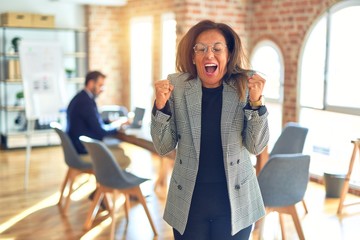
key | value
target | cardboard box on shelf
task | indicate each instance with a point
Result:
(43, 21)
(14, 19)
(14, 72)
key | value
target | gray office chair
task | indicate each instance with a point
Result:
(283, 182)
(76, 165)
(111, 179)
(291, 140)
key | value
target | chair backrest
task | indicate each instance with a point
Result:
(284, 178)
(291, 139)
(107, 170)
(72, 158)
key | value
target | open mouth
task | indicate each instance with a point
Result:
(210, 68)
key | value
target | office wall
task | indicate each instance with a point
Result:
(109, 35)
(286, 22)
(66, 14)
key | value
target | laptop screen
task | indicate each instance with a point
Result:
(138, 117)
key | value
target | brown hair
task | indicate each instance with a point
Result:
(237, 64)
(93, 76)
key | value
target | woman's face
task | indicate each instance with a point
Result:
(210, 57)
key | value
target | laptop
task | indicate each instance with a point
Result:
(138, 118)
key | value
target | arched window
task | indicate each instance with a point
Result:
(329, 87)
(330, 57)
(267, 60)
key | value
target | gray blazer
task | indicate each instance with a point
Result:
(242, 131)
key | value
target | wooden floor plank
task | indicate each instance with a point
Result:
(34, 213)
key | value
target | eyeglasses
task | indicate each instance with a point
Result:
(217, 48)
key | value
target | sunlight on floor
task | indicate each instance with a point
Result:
(95, 231)
(47, 202)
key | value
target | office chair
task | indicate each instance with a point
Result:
(283, 182)
(291, 140)
(112, 180)
(76, 166)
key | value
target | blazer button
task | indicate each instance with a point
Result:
(237, 186)
(231, 163)
(238, 161)
(180, 187)
(179, 136)
(180, 161)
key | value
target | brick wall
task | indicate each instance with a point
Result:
(104, 44)
(285, 22)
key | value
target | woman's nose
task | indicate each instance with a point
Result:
(209, 54)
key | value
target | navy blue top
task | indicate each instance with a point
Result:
(211, 165)
(83, 118)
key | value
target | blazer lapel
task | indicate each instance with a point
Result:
(230, 103)
(193, 95)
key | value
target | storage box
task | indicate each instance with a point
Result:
(43, 21)
(14, 19)
(13, 70)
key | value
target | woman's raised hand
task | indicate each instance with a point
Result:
(163, 90)
(256, 86)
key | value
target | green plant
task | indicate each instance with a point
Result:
(20, 95)
(69, 72)
(15, 43)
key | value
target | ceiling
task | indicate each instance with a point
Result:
(94, 2)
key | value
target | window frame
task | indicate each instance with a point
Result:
(328, 18)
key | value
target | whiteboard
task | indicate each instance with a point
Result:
(43, 76)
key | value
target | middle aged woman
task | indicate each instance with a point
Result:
(212, 112)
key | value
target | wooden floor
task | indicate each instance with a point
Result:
(33, 213)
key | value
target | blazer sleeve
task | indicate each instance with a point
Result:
(256, 131)
(163, 127)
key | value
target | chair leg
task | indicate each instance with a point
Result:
(94, 208)
(113, 219)
(108, 202)
(72, 176)
(305, 207)
(295, 217)
(63, 187)
(127, 206)
(282, 226)
(143, 203)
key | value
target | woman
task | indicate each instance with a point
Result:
(212, 112)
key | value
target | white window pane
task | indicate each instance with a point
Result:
(313, 67)
(141, 64)
(344, 58)
(267, 60)
(168, 45)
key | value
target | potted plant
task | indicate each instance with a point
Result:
(69, 72)
(19, 99)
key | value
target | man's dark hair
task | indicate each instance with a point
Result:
(93, 76)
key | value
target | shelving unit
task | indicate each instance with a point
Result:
(12, 111)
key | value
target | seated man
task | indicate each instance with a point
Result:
(83, 118)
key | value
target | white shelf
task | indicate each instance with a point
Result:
(74, 42)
